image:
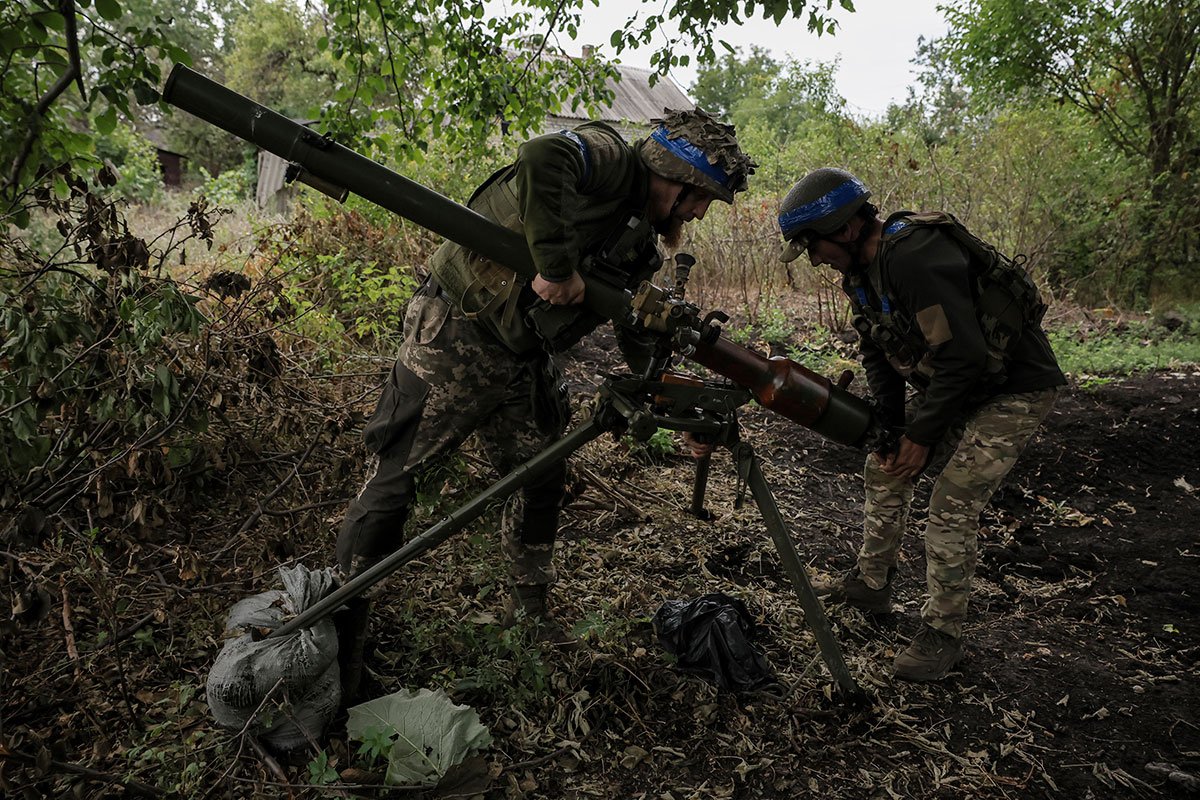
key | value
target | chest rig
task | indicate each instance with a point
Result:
(1005, 299)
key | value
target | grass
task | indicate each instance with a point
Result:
(1125, 349)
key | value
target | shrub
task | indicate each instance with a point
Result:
(139, 175)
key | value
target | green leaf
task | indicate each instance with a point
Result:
(53, 20)
(145, 93)
(430, 734)
(106, 123)
(179, 55)
(109, 9)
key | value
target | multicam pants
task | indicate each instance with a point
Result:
(982, 448)
(453, 379)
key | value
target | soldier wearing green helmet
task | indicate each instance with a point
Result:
(474, 357)
(943, 312)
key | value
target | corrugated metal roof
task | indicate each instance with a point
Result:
(634, 99)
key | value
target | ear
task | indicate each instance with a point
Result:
(849, 232)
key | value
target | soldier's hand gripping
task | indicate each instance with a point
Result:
(562, 293)
(908, 460)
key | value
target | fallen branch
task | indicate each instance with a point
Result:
(271, 764)
(262, 504)
(136, 787)
(1174, 774)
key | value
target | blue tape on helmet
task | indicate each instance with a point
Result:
(691, 154)
(802, 216)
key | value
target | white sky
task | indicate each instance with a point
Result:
(874, 44)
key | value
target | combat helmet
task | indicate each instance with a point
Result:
(820, 204)
(693, 147)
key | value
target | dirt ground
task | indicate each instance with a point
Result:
(1083, 649)
(1079, 681)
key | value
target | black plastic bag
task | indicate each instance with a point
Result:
(711, 637)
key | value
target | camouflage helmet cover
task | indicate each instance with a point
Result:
(820, 204)
(691, 146)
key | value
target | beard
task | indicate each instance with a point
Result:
(671, 231)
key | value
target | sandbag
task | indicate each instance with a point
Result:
(299, 672)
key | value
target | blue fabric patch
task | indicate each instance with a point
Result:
(862, 296)
(822, 207)
(898, 225)
(691, 154)
(583, 151)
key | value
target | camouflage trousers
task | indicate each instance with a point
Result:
(453, 379)
(981, 449)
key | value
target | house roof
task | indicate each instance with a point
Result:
(634, 99)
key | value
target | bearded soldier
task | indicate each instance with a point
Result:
(941, 310)
(477, 337)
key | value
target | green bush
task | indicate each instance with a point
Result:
(95, 366)
(139, 175)
(231, 187)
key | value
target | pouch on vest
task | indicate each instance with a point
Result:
(484, 287)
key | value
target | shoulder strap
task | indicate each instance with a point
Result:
(583, 151)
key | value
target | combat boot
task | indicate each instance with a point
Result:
(852, 590)
(530, 603)
(929, 657)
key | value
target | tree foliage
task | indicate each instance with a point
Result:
(272, 54)
(67, 68)
(403, 72)
(1130, 67)
(779, 95)
(1130, 64)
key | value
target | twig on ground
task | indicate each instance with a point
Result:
(621, 499)
(69, 627)
(337, 501)
(263, 503)
(136, 787)
(271, 764)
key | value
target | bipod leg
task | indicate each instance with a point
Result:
(748, 467)
(447, 527)
(700, 487)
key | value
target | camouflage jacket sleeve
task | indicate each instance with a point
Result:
(887, 386)
(928, 275)
(556, 182)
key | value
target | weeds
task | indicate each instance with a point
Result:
(1124, 348)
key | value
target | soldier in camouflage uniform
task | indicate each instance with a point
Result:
(473, 360)
(944, 312)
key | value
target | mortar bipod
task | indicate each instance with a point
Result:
(638, 407)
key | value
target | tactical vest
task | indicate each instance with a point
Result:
(491, 293)
(1006, 300)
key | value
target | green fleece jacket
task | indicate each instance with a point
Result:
(567, 192)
